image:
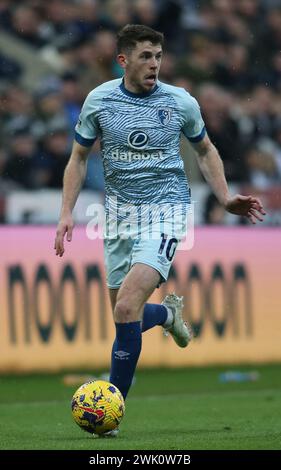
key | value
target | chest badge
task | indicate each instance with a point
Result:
(164, 115)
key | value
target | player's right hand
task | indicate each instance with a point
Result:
(65, 226)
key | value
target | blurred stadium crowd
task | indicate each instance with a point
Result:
(227, 53)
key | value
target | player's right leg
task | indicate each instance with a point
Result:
(136, 288)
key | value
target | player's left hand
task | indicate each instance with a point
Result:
(248, 206)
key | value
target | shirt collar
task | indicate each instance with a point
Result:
(137, 95)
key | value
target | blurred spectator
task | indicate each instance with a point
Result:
(20, 164)
(72, 97)
(118, 13)
(225, 52)
(250, 11)
(273, 77)
(49, 99)
(263, 110)
(168, 66)
(6, 184)
(50, 106)
(234, 72)
(29, 26)
(169, 22)
(216, 106)
(198, 64)
(145, 12)
(214, 212)
(9, 69)
(61, 15)
(183, 82)
(54, 154)
(277, 146)
(262, 168)
(15, 103)
(105, 56)
(270, 37)
(5, 12)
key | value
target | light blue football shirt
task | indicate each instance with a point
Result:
(140, 140)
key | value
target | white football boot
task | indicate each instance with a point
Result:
(180, 331)
(108, 434)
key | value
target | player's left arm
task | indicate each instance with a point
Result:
(212, 169)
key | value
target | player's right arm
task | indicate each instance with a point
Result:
(73, 179)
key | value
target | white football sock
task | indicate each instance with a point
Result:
(170, 318)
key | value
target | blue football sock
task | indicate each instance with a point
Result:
(153, 314)
(125, 353)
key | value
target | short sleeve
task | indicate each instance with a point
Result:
(194, 126)
(87, 129)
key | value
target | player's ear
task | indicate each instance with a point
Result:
(121, 59)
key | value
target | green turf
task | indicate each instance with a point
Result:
(166, 409)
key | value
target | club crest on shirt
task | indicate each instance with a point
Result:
(164, 115)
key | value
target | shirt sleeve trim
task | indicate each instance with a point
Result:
(199, 137)
(82, 141)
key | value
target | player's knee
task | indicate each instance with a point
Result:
(124, 312)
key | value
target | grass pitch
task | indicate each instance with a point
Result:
(172, 409)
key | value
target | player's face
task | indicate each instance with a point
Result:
(142, 67)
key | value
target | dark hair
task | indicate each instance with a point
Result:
(131, 34)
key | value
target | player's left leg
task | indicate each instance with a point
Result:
(168, 315)
(158, 252)
(153, 314)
